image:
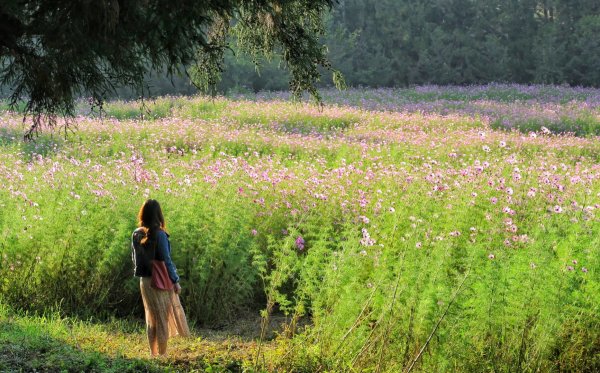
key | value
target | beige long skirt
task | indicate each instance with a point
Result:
(164, 316)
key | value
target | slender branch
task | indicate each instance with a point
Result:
(357, 321)
(412, 364)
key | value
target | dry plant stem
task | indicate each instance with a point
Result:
(408, 335)
(263, 329)
(69, 326)
(412, 364)
(529, 322)
(290, 331)
(366, 345)
(387, 327)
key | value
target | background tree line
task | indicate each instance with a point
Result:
(382, 43)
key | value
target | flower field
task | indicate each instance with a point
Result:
(424, 229)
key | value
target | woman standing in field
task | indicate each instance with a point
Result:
(164, 315)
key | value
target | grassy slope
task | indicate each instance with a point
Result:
(53, 343)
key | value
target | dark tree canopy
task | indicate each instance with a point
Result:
(54, 51)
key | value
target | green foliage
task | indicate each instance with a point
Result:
(378, 306)
(162, 107)
(586, 124)
(54, 343)
(468, 42)
(376, 234)
(216, 261)
(5, 106)
(47, 344)
(52, 52)
(395, 43)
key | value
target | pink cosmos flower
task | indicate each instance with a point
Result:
(300, 243)
(366, 240)
(491, 256)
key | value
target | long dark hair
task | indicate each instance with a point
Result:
(151, 219)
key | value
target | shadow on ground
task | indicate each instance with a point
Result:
(57, 344)
(31, 349)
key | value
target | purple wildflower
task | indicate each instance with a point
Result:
(300, 243)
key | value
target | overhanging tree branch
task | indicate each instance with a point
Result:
(54, 51)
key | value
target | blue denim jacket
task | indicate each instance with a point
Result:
(142, 257)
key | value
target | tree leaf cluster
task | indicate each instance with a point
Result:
(54, 51)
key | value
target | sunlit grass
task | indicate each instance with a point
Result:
(376, 226)
(56, 343)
